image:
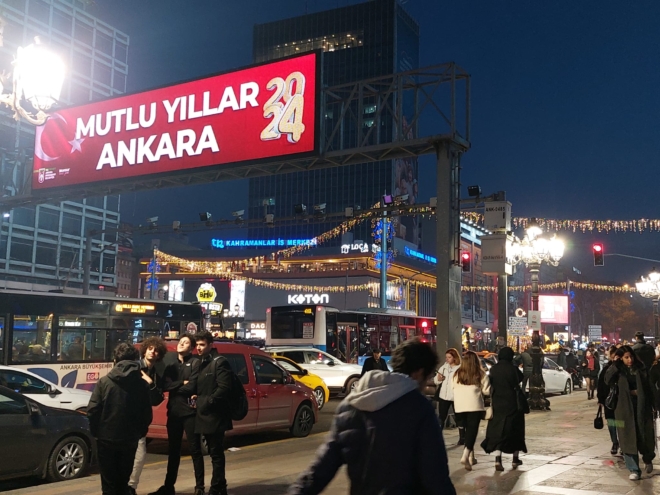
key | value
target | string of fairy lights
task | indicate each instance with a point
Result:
(225, 269)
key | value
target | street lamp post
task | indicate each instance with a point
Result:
(533, 250)
(649, 287)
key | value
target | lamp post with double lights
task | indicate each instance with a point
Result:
(534, 250)
(649, 287)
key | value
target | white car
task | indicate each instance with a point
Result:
(557, 380)
(340, 377)
(43, 391)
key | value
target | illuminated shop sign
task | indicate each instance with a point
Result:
(206, 293)
(308, 299)
(359, 246)
(134, 308)
(262, 112)
(411, 253)
(239, 243)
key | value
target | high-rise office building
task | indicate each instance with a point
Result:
(41, 247)
(361, 41)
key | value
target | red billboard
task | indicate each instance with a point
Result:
(554, 309)
(261, 112)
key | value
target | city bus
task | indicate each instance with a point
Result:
(349, 335)
(69, 339)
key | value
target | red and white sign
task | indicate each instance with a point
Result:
(554, 309)
(248, 115)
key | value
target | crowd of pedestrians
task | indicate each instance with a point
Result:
(120, 412)
(368, 422)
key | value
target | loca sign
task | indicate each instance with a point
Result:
(308, 299)
(251, 114)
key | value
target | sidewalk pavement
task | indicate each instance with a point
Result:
(567, 456)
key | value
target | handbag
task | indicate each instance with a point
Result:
(489, 413)
(598, 420)
(521, 401)
(613, 396)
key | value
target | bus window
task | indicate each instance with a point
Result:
(290, 325)
(81, 338)
(31, 342)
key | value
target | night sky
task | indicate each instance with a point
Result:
(564, 105)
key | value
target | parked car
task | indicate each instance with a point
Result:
(276, 400)
(315, 382)
(42, 441)
(340, 377)
(44, 392)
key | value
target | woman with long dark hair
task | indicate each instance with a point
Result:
(470, 385)
(590, 368)
(602, 391)
(445, 380)
(634, 410)
(506, 429)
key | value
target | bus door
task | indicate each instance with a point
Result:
(347, 342)
(407, 332)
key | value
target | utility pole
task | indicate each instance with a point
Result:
(152, 282)
(383, 261)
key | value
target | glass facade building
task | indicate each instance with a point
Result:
(41, 247)
(358, 42)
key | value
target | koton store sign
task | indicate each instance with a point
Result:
(251, 114)
(308, 299)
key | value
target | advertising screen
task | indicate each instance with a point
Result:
(252, 114)
(554, 309)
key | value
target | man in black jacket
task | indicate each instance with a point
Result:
(180, 376)
(382, 452)
(119, 414)
(644, 351)
(374, 362)
(213, 418)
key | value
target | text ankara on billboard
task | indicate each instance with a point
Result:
(256, 113)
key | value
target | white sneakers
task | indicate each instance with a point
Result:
(634, 477)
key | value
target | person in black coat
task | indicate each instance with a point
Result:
(374, 362)
(213, 417)
(387, 433)
(644, 351)
(119, 414)
(506, 429)
(180, 377)
(602, 391)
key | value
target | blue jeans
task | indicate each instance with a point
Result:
(632, 463)
(613, 437)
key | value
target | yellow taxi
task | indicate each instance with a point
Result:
(315, 382)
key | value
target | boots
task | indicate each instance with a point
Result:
(516, 462)
(465, 460)
(615, 448)
(498, 463)
(461, 436)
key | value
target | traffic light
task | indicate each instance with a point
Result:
(466, 261)
(598, 254)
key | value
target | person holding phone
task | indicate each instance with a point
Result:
(181, 372)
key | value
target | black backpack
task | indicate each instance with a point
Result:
(238, 403)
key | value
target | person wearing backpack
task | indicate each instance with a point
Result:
(181, 372)
(215, 397)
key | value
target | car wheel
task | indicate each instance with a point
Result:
(319, 395)
(303, 422)
(567, 388)
(351, 384)
(68, 460)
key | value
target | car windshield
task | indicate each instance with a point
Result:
(289, 366)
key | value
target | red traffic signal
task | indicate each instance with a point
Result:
(598, 254)
(466, 261)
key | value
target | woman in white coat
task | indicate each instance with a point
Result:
(445, 380)
(470, 385)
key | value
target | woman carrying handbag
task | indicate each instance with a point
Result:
(470, 385)
(506, 430)
(602, 391)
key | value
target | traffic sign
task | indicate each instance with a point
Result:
(595, 333)
(534, 320)
(517, 326)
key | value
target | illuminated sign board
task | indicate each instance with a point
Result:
(308, 299)
(256, 113)
(360, 246)
(411, 253)
(239, 243)
(206, 293)
(554, 309)
(134, 308)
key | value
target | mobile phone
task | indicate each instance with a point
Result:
(192, 402)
